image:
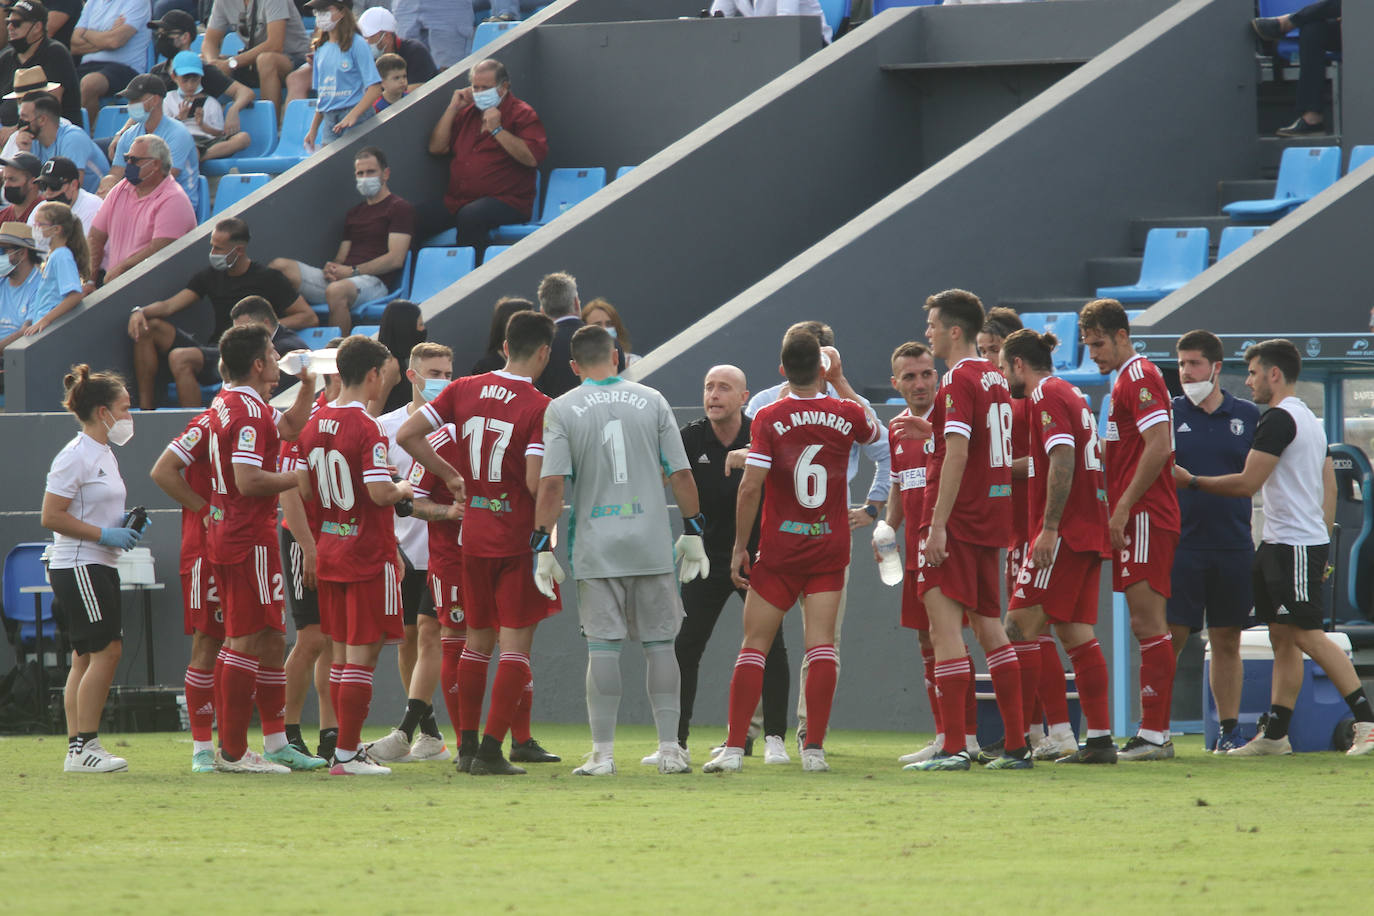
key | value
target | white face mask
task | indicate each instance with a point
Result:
(324, 22)
(122, 431)
(1197, 392)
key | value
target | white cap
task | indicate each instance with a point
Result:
(376, 19)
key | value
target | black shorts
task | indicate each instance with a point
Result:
(416, 601)
(209, 369)
(1211, 586)
(1288, 584)
(248, 73)
(117, 75)
(87, 606)
(303, 602)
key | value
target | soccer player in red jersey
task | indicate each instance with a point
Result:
(347, 472)
(800, 446)
(1144, 519)
(968, 483)
(500, 417)
(1067, 509)
(240, 542)
(183, 473)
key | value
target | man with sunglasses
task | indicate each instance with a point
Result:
(143, 213)
(30, 47)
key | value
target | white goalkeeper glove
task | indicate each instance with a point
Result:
(690, 551)
(546, 568)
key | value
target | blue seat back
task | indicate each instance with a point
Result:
(487, 32)
(1232, 237)
(436, 268)
(492, 251)
(295, 124)
(366, 330)
(1359, 156)
(231, 44)
(880, 5)
(1063, 325)
(1305, 171)
(234, 188)
(1173, 257)
(569, 187)
(315, 338)
(624, 170)
(109, 119)
(834, 12)
(259, 120)
(23, 567)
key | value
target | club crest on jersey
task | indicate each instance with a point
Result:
(248, 439)
(1046, 419)
(1145, 396)
(809, 529)
(1237, 426)
(949, 402)
(379, 457)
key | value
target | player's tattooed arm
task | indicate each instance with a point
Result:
(1058, 483)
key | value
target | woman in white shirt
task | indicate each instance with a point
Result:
(84, 508)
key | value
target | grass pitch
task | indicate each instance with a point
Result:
(1267, 835)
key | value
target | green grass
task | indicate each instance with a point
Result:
(1273, 834)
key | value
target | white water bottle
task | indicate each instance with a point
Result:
(889, 560)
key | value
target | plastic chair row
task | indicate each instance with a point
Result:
(234, 188)
(231, 44)
(567, 188)
(1304, 172)
(287, 150)
(1071, 360)
(426, 273)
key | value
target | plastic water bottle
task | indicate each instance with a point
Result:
(889, 560)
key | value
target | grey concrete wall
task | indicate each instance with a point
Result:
(611, 94)
(1357, 76)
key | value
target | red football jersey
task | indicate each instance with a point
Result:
(243, 430)
(1140, 400)
(500, 419)
(974, 402)
(1020, 448)
(446, 537)
(804, 445)
(192, 449)
(909, 458)
(344, 449)
(1060, 416)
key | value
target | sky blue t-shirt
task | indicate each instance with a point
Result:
(100, 16)
(16, 302)
(340, 77)
(178, 138)
(1212, 445)
(76, 145)
(59, 279)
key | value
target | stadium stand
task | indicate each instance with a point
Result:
(1172, 258)
(1303, 173)
(316, 338)
(260, 122)
(29, 621)
(234, 188)
(436, 268)
(290, 146)
(1232, 237)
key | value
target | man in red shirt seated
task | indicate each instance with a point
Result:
(497, 142)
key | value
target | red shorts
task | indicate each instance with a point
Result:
(913, 608)
(1148, 557)
(782, 589)
(1067, 590)
(500, 592)
(968, 576)
(447, 592)
(366, 612)
(201, 612)
(251, 592)
(1016, 556)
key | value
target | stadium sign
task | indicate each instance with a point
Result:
(1350, 350)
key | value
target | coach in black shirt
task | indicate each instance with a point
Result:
(708, 442)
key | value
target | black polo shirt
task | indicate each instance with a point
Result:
(717, 492)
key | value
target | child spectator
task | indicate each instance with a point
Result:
(202, 115)
(68, 265)
(343, 73)
(392, 69)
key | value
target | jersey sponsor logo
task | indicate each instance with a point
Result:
(1109, 434)
(495, 503)
(1237, 426)
(346, 529)
(248, 439)
(999, 489)
(379, 457)
(216, 514)
(949, 402)
(809, 529)
(913, 478)
(619, 510)
(814, 418)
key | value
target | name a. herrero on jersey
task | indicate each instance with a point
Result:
(609, 396)
(813, 418)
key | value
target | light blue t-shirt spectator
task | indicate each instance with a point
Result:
(16, 302)
(100, 16)
(59, 279)
(76, 145)
(179, 142)
(340, 77)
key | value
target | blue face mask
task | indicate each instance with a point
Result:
(432, 388)
(139, 112)
(133, 173)
(611, 331)
(486, 98)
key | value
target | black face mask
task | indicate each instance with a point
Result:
(14, 195)
(20, 45)
(165, 46)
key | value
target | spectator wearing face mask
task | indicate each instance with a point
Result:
(230, 276)
(66, 267)
(376, 241)
(33, 60)
(343, 74)
(45, 133)
(19, 279)
(378, 26)
(604, 315)
(21, 194)
(60, 181)
(176, 30)
(145, 94)
(143, 213)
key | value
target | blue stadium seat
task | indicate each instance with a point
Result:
(880, 5)
(1172, 258)
(315, 338)
(85, 120)
(1304, 172)
(567, 188)
(260, 122)
(436, 268)
(487, 32)
(109, 120)
(492, 251)
(625, 170)
(1063, 325)
(1232, 237)
(234, 188)
(372, 311)
(1359, 156)
(366, 330)
(202, 201)
(229, 46)
(446, 239)
(834, 12)
(290, 148)
(24, 567)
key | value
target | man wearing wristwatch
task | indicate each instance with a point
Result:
(275, 43)
(376, 240)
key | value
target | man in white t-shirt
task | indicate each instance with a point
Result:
(773, 8)
(60, 180)
(1289, 465)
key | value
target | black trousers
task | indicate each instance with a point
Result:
(481, 216)
(703, 600)
(1319, 31)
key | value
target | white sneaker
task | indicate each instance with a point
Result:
(1052, 747)
(360, 765)
(775, 750)
(1364, 739)
(813, 761)
(729, 760)
(250, 762)
(596, 765)
(394, 748)
(93, 758)
(1260, 746)
(428, 747)
(925, 753)
(651, 760)
(673, 759)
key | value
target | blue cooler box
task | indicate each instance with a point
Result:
(990, 720)
(1320, 708)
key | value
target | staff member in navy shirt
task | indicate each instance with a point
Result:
(1213, 431)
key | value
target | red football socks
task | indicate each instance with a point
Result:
(1006, 684)
(520, 724)
(200, 702)
(1156, 682)
(512, 674)
(1053, 688)
(355, 697)
(237, 687)
(952, 684)
(824, 665)
(448, 675)
(746, 686)
(271, 700)
(1090, 677)
(928, 660)
(472, 688)
(1028, 659)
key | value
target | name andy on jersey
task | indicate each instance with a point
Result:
(499, 392)
(814, 418)
(612, 396)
